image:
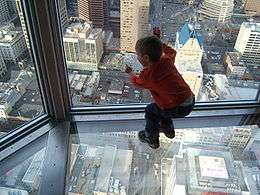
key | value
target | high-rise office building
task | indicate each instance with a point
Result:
(72, 8)
(252, 7)
(220, 11)
(12, 44)
(95, 11)
(189, 46)
(114, 17)
(83, 46)
(12, 8)
(63, 13)
(21, 16)
(7, 12)
(2, 66)
(248, 43)
(206, 171)
(133, 22)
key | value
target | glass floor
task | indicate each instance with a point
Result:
(223, 160)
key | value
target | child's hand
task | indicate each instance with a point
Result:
(128, 69)
(157, 32)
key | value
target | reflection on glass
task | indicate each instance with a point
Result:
(20, 100)
(217, 44)
(25, 178)
(223, 160)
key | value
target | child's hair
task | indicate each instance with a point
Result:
(151, 46)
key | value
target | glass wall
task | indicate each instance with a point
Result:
(217, 46)
(20, 99)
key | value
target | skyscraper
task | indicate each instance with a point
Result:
(2, 66)
(189, 46)
(220, 11)
(6, 12)
(252, 7)
(21, 16)
(63, 13)
(133, 22)
(12, 44)
(248, 43)
(72, 8)
(83, 46)
(95, 11)
(205, 171)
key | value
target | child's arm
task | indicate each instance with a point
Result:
(169, 52)
(138, 81)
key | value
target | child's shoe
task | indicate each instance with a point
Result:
(152, 143)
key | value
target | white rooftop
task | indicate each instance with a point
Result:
(211, 166)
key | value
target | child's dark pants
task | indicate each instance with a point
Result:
(157, 118)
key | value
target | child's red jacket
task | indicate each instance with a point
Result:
(165, 83)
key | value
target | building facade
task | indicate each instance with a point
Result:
(248, 43)
(12, 44)
(252, 7)
(133, 22)
(21, 16)
(189, 46)
(83, 46)
(7, 11)
(72, 8)
(220, 11)
(234, 68)
(3, 69)
(63, 13)
(95, 11)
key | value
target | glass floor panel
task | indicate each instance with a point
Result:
(223, 160)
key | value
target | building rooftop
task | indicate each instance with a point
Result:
(102, 182)
(213, 171)
(188, 31)
(254, 26)
(235, 58)
(9, 36)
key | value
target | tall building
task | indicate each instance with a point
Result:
(72, 8)
(7, 12)
(201, 171)
(21, 16)
(12, 8)
(248, 43)
(12, 44)
(220, 11)
(63, 13)
(95, 11)
(114, 22)
(114, 17)
(2, 66)
(234, 67)
(83, 46)
(133, 22)
(189, 46)
(252, 7)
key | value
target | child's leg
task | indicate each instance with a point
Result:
(153, 118)
(167, 126)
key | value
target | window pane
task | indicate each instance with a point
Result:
(217, 44)
(20, 99)
(222, 160)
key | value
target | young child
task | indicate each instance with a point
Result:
(172, 96)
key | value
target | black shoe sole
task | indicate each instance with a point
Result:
(148, 142)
